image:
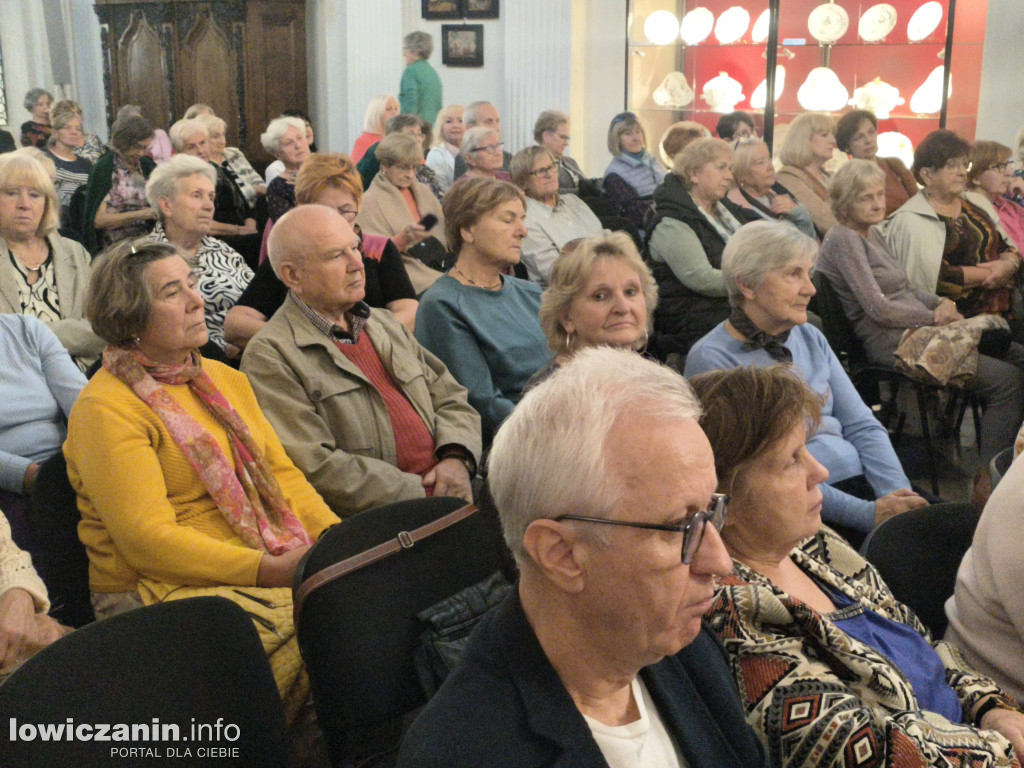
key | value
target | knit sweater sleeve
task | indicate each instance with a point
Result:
(16, 571)
(676, 244)
(145, 512)
(846, 254)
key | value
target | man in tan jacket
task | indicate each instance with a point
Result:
(368, 414)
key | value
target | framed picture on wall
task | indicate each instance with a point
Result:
(480, 9)
(442, 9)
(462, 45)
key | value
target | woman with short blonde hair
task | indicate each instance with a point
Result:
(448, 132)
(44, 275)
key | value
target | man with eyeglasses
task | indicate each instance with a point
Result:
(485, 115)
(604, 482)
(362, 409)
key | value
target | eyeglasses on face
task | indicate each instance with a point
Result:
(490, 147)
(1001, 167)
(958, 164)
(547, 170)
(692, 529)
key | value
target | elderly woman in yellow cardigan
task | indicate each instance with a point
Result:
(396, 203)
(182, 484)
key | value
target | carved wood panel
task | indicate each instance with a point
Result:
(142, 69)
(246, 59)
(210, 67)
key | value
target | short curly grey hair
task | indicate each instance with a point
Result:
(183, 130)
(850, 181)
(34, 95)
(419, 43)
(759, 248)
(166, 178)
(696, 155)
(271, 138)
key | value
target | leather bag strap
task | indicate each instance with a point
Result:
(404, 540)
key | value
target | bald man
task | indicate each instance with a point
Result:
(368, 414)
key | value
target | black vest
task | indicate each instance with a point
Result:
(683, 316)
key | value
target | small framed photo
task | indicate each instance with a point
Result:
(480, 9)
(462, 45)
(442, 9)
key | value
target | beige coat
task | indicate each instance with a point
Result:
(71, 271)
(811, 194)
(384, 212)
(333, 422)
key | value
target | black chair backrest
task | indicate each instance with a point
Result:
(918, 554)
(837, 327)
(196, 665)
(358, 632)
(59, 555)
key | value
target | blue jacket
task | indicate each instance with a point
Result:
(504, 705)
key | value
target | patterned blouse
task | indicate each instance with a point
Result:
(819, 698)
(280, 198)
(244, 175)
(221, 276)
(40, 299)
(971, 239)
(127, 193)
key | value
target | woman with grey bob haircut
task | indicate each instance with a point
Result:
(419, 43)
(767, 269)
(182, 192)
(758, 249)
(561, 429)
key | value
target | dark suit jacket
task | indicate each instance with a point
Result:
(504, 705)
(6, 142)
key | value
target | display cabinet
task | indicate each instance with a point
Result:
(826, 56)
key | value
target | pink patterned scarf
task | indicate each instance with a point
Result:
(245, 489)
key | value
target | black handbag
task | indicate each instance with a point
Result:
(432, 253)
(449, 624)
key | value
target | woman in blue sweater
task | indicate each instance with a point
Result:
(479, 320)
(766, 267)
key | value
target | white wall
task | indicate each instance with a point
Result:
(1001, 100)
(25, 50)
(465, 84)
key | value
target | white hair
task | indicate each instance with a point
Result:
(183, 130)
(759, 248)
(471, 113)
(165, 178)
(271, 138)
(474, 139)
(549, 457)
(374, 117)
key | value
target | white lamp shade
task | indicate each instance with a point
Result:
(760, 96)
(822, 91)
(732, 25)
(760, 31)
(661, 27)
(696, 26)
(895, 144)
(927, 99)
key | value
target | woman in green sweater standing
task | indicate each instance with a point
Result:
(420, 90)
